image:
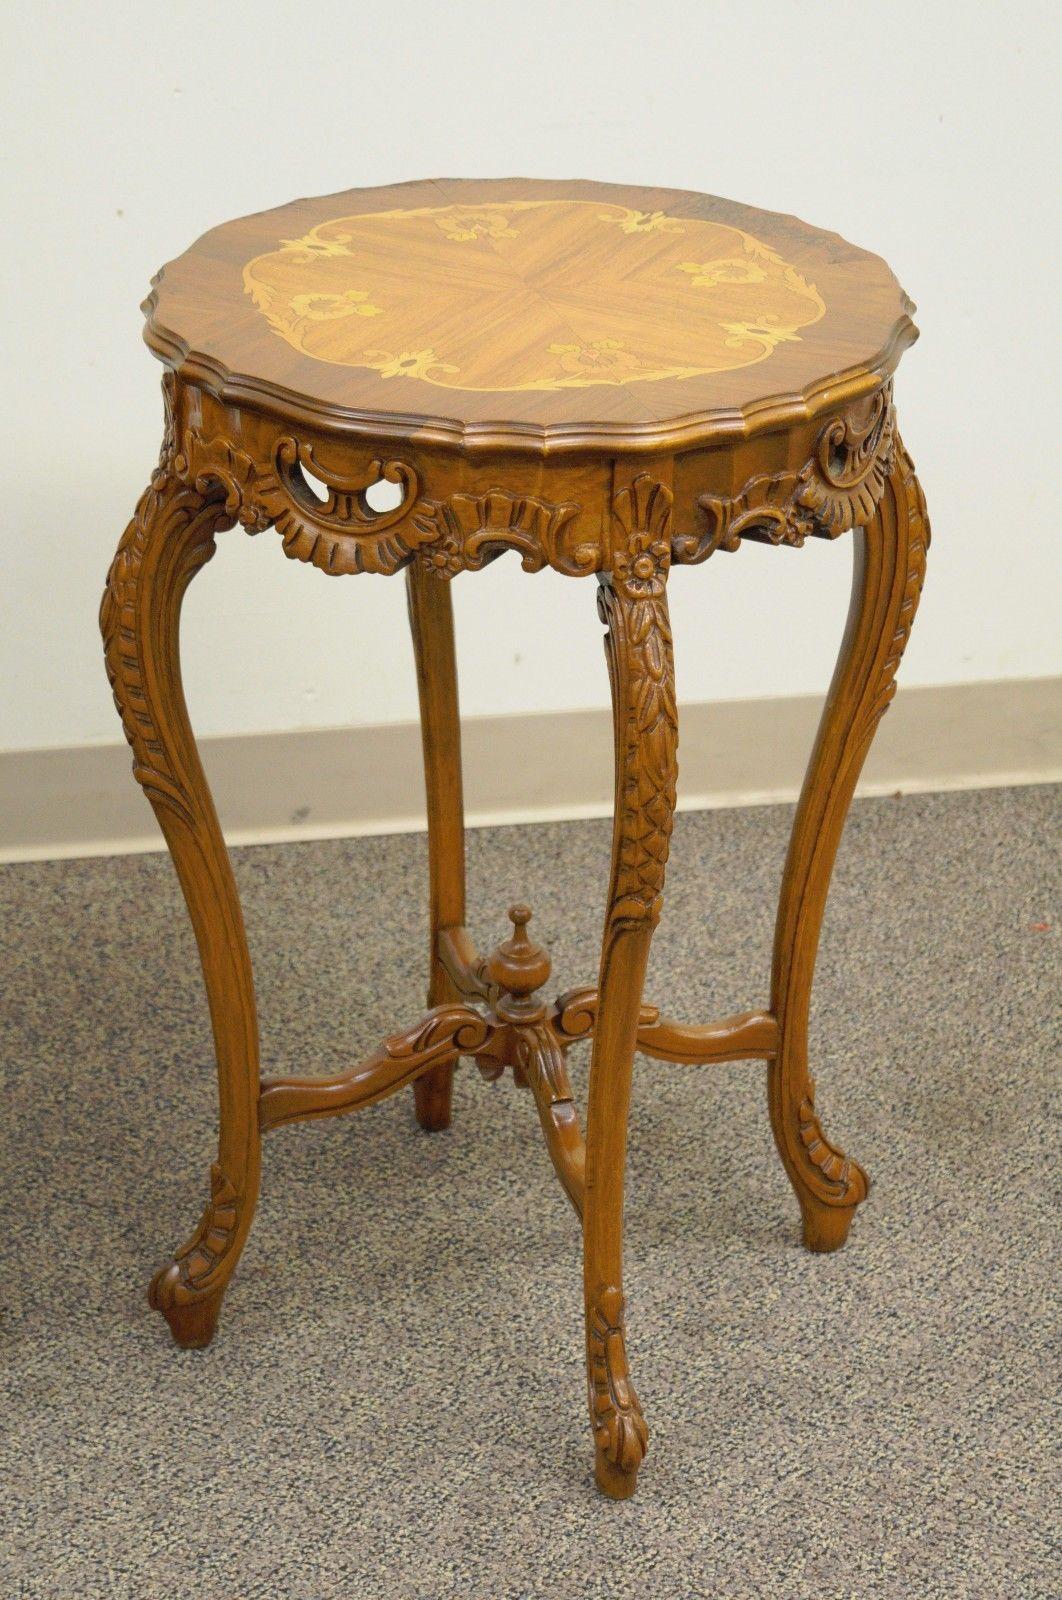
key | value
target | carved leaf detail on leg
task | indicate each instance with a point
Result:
(912, 509)
(890, 562)
(170, 537)
(846, 1176)
(639, 651)
(166, 511)
(620, 1430)
(198, 1269)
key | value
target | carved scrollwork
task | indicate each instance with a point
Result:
(839, 488)
(199, 1268)
(458, 1028)
(843, 483)
(444, 1034)
(538, 1056)
(466, 531)
(340, 533)
(846, 1182)
(620, 1430)
(574, 1015)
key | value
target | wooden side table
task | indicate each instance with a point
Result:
(606, 381)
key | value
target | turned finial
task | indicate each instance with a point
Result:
(517, 966)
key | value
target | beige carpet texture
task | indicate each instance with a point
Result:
(394, 1406)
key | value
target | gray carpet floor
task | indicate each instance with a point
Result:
(394, 1404)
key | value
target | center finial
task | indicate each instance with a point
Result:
(517, 966)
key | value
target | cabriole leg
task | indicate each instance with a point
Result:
(890, 557)
(431, 622)
(170, 537)
(641, 669)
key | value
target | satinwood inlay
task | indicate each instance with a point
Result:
(535, 315)
(691, 296)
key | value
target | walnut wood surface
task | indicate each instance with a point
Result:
(511, 313)
(431, 622)
(578, 447)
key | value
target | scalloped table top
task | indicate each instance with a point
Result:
(530, 315)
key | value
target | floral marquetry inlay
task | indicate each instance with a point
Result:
(576, 293)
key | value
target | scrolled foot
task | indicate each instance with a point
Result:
(841, 1182)
(621, 1434)
(432, 1097)
(188, 1291)
(610, 1480)
(192, 1322)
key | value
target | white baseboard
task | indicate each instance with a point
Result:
(337, 782)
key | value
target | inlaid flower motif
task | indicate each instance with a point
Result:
(311, 246)
(406, 364)
(462, 226)
(727, 269)
(323, 307)
(641, 569)
(602, 360)
(644, 221)
(765, 330)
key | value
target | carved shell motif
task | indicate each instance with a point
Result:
(466, 531)
(838, 489)
(341, 533)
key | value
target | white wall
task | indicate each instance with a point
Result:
(922, 130)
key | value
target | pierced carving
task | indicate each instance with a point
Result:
(339, 534)
(638, 649)
(848, 1183)
(466, 531)
(620, 1430)
(199, 1270)
(838, 489)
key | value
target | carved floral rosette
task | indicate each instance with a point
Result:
(837, 489)
(466, 531)
(324, 517)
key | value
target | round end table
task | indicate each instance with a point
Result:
(606, 381)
